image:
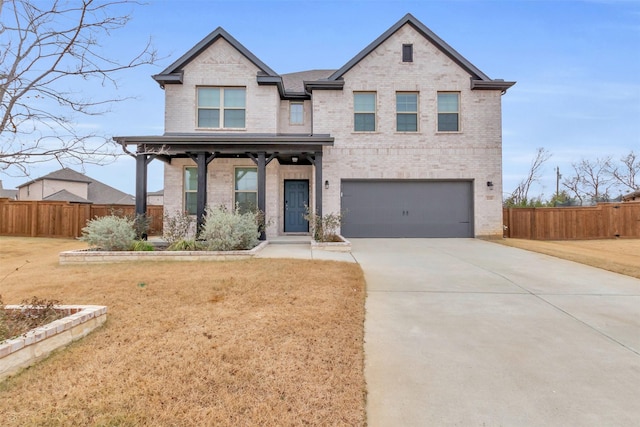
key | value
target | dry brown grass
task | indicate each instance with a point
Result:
(256, 342)
(620, 256)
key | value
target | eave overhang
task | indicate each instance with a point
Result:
(309, 86)
(491, 85)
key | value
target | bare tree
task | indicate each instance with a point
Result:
(49, 47)
(628, 173)
(591, 180)
(520, 195)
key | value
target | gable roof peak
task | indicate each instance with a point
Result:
(425, 32)
(173, 73)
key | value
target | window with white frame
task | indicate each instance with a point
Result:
(221, 107)
(448, 111)
(191, 190)
(406, 111)
(296, 113)
(364, 111)
(246, 189)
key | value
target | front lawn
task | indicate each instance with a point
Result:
(255, 342)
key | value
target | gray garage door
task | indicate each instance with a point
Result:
(407, 208)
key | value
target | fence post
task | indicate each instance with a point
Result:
(34, 219)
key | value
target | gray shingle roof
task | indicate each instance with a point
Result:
(294, 82)
(65, 196)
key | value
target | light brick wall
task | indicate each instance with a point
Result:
(474, 153)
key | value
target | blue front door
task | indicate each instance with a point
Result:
(296, 196)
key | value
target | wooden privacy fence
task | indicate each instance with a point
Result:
(604, 221)
(62, 219)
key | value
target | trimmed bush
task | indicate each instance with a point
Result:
(185, 245)
(225, 230)
(109, 233)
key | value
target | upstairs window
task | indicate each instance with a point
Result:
(296, 113)
(364, 112)
(407, 53)
(406, 112)
(191, 190)
(221, 107)
(448, 112)
(246, 189)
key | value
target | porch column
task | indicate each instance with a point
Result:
(141, 184)
(262, 187)
(201, 197)
(319, 183)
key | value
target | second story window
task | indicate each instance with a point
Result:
(406, 112)
(448, 112)
(296, 113)
(221, 107)
(364, 112)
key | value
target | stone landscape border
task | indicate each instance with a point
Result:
(37, 344)
(343, 246)
(92, 256)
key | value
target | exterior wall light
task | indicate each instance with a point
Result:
(326, 185)
(490, 185)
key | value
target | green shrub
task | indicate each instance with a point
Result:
(109, 233)
(225, 230)
(185, 245)
(141, 245)
(177, 226)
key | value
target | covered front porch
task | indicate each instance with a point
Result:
(291, 152)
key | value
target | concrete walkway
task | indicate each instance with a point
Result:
(462, 332)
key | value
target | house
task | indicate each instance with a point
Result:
(634, 196)
(6, 193)
(155, 198)
(71, 186)
(405, 138)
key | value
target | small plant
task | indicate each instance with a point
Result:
(185, 245)
(324, 228)
(225, 230)
(141, 245)
(177, 226)
(109, 233)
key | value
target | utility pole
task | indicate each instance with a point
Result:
(558, 176)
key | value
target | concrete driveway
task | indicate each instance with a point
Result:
(463, 332)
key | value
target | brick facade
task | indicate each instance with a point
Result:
(474, 153)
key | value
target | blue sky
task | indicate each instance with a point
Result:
(576, 63)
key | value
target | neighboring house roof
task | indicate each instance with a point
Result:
(65, 196)
(289, 85)
(633, 196)
(64, 174)
(156, 193)
(97, 192)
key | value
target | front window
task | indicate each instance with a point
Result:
(448, 112)
(246, 189)
(191, 190)
(364, 109)
(406, 112)
(220, 107)
(296, 113)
